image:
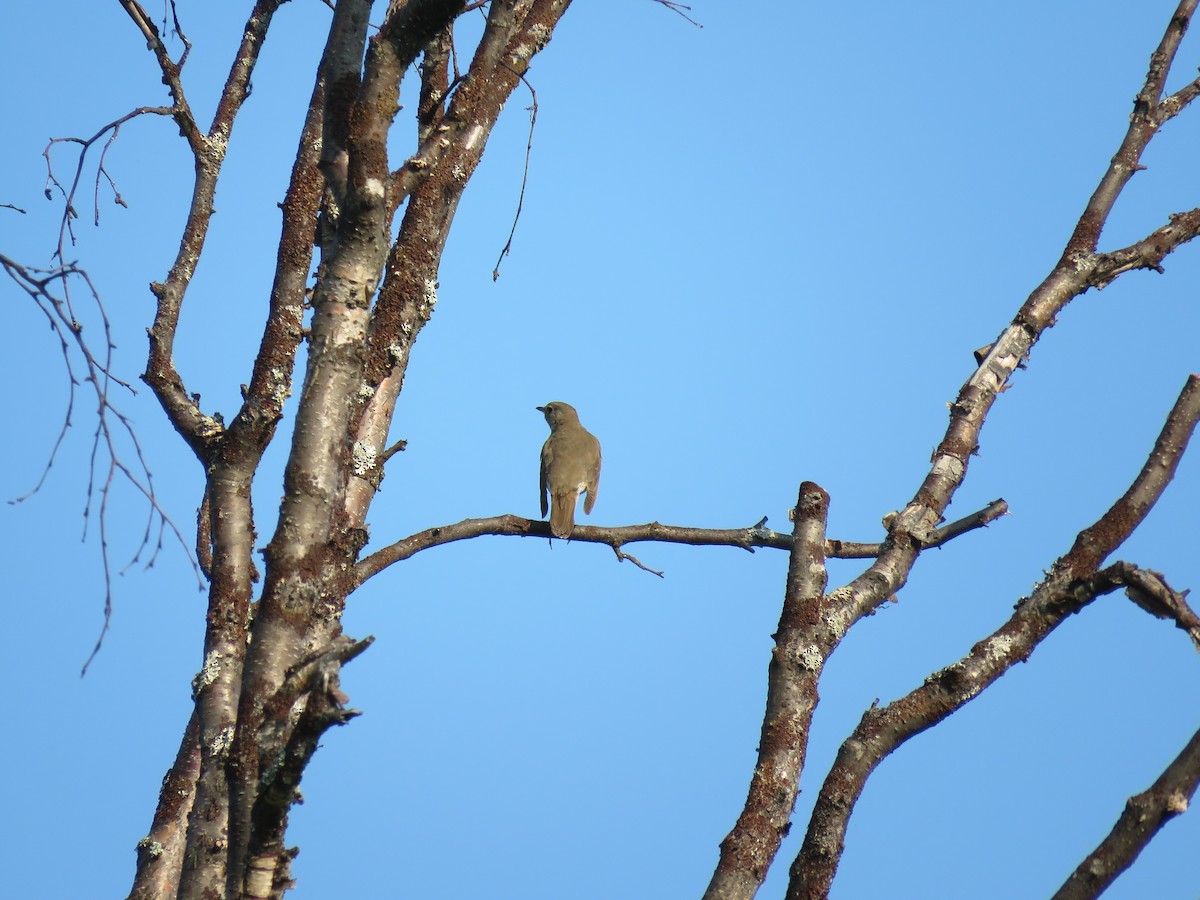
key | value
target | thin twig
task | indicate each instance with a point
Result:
(622, 555)
(40, 285)
(533, 111)
(66, 231)
(679, 8)
(177, 30)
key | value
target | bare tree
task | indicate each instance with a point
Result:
(269, 688)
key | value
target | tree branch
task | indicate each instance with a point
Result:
(1148, 115)
(616, 537)
(802, 645)
(1149, 252)
(171, 73)
(182, 408)
(1078, 269)
(308, 556)
(1149, 590)
(160, 853)
(1072, 583)
(204, 866)
(1097, 542)
(1144, 815)
(40, 286)
(311, 695)
(227, 516)
(433, 184)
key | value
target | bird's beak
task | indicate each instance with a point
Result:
(540, 409)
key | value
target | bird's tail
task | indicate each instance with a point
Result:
(562, 514)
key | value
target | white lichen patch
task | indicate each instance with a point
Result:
(281, 385)
(810, 657)
(1081, 260)
(1177, 802)
(208, 673)
(362, 459)
(429, 298)
(540, 34)
(222, 742)
(998, 647)
(154, 849)
(215, 147)
(838, 596)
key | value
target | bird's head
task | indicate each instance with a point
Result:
(557, 412)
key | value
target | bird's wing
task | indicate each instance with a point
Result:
(593, 480)
(542, 478)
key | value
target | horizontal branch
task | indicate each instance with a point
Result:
(757, 535)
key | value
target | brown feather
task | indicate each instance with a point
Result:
(562, 515)
(570, 467)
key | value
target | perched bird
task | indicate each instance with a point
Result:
(570, 467)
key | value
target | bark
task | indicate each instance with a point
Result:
(802, 645)
(1073, 582)
(1144, 815)
(160, 853)
(269, 685)
(911, 529)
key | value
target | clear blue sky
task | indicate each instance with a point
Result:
(751, 254)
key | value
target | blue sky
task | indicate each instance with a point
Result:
(750, 254)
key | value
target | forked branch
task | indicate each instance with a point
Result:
(1150, 111)
(909, 530)
(1074, 581)
(50, 291)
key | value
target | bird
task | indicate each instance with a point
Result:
(570, 467)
